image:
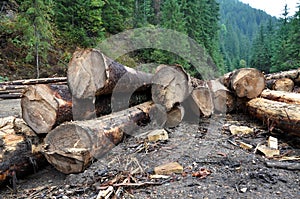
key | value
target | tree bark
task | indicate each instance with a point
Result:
(46, 106)
(223, 99)
(91, 73)
(244, 82)
(19, 154)
(171, 85)
(276, 114)
(72, 146)
(281, 96)
(283, 84)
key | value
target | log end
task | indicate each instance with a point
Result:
(39, 108)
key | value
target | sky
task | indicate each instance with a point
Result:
(273, 7)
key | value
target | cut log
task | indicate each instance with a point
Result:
(35, 81)
(281, 96)
(46, 106)
(245, 82)
(276, 114)
(291, 74)
(202, 98)
(92, 73)
(171, 85)
(73, 145)
(283, 84)
(223, 99)
(174, 116)
(19, 154)
(11, 96)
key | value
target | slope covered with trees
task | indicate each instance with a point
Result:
(240, 24)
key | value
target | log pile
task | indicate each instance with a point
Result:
(103, 100)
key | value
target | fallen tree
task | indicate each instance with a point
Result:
(283, 84)
(46, 106)
(281, 96)
(291, 74)
(73, 145)
(20, 150)
(276, 114)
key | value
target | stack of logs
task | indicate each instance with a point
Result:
(104, 100)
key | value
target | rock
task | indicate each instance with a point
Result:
(169, 168)
(156, 135)
(240, 130)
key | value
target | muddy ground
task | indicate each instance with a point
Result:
(205, 145)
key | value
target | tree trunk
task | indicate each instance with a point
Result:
(36, 81)
(292, 74)
(72, 146)
(276, 114)
(283, 84)
(223, 99)
(244, 82)
(171, 85)
(19, 154)
(91, 73)
(174, 116)
(46, 106)
(281, 96)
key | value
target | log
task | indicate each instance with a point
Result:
(223, 99)
(91, 73)
(35, 81)
(276, 114)
(244, 82)
(20, 150)
(291, 74)
(72, 146)
(281, 96)
(46, 106)
(283, 84)
(174, 116)
(11, 96)
(171, 85)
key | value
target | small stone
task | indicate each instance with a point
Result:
(272, 143)
(156, 135)
(168, 168)
(65, 197)
(243, 190)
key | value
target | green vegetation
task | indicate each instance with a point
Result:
(40, 36)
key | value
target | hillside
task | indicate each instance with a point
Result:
(240, 24)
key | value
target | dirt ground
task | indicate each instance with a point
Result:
(206, 145)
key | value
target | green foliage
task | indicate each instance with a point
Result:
(80, 21)
(3, 79)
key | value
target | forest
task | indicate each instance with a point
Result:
(37, 38)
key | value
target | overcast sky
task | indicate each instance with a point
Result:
(273, 7)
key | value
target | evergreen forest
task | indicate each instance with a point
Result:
(38, 37)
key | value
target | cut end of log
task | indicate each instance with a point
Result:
(39, 108)
(202, 98)
(87, 72)
(248, 82)
(171, 85)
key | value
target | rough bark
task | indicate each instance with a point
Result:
(283, 84)
(92, 73)
(46, 106)
(19, 154)
(171, 85)
(73, 145)
(276, 114)
(223, 99)
(244, 82)
(281, 96)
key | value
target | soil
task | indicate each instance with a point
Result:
(206, 145)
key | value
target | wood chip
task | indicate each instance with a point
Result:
(240, 130)
(245, 146)
(159, 134)
(272, 143)
(268, 152)
(168, 168)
